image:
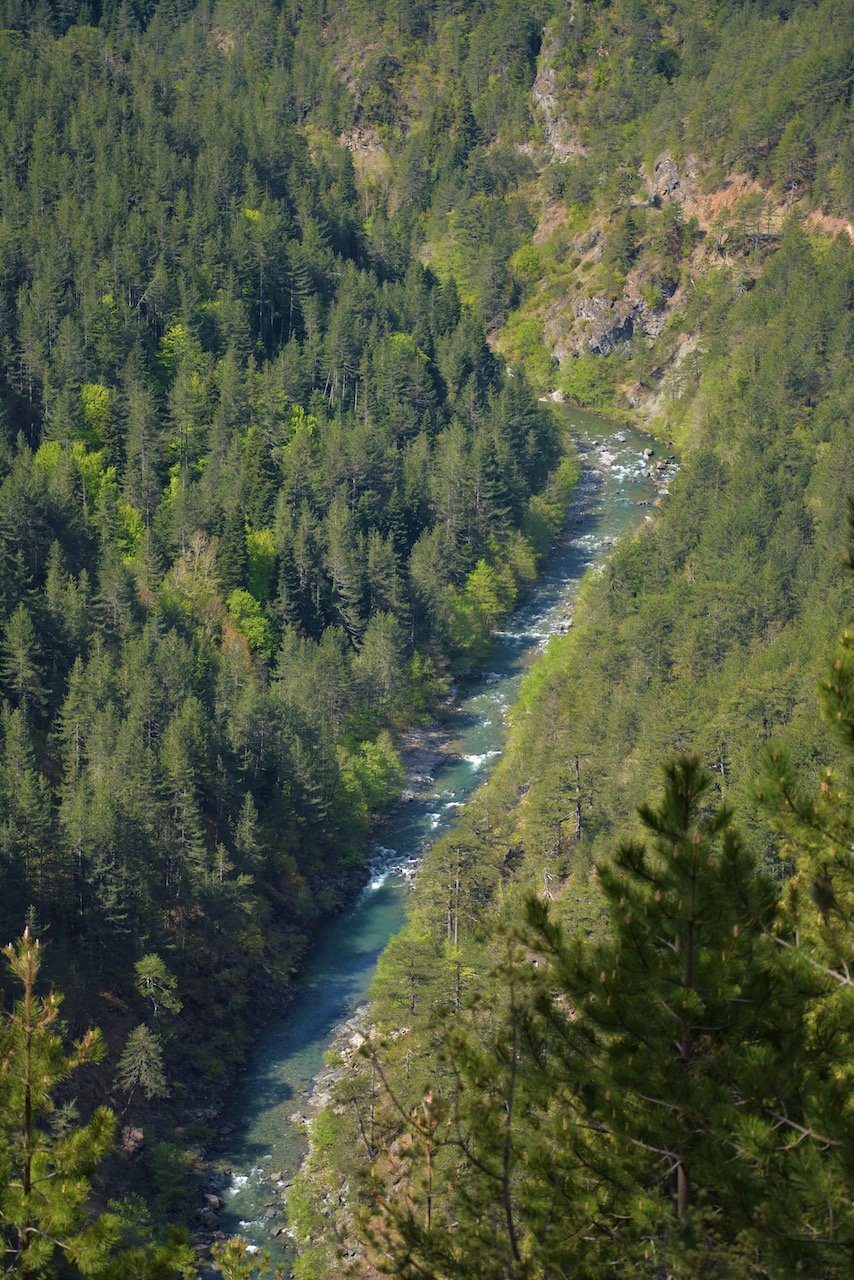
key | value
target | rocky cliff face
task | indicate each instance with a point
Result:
(602, 325)
(584, 308)
(561, 142)
(667, 181)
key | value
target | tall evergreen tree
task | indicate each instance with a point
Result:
(45, 1173)
(21, 666)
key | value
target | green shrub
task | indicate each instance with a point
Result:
(170, 1168)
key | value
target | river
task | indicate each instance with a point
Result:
(608, 504)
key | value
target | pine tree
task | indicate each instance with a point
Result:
(670, 1100)
(48, 1224)
(672, 1007)
(247, 836)
(622, 245)
(814, 947)
(45, 1170)
(26, 820)
(232, 560)
(156, 983)
(235, 1260)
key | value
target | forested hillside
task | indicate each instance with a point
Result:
(262, 479)
(280, 286)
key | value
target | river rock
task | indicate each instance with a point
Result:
(213, 1201)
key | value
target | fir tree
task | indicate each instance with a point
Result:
(21, 663)
(141, 1066)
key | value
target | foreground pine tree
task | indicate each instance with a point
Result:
(48, 1225)
(45, 1169)
(673, 1101)
(693, 1041)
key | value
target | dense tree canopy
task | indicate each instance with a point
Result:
(265, 485)
(251, 466)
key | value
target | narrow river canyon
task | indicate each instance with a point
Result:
(267, 1143)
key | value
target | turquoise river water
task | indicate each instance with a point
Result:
(609, 503)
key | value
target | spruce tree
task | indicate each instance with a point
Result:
(141, 1065)
(20, 665)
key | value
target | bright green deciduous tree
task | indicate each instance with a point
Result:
(248, 617)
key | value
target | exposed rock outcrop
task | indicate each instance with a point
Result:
(560, 140)
(605, 324)
(666, 180)
(602, 325)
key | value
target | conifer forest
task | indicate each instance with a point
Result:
(426, 650)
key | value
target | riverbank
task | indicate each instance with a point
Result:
(423, 751)
(445, 763)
